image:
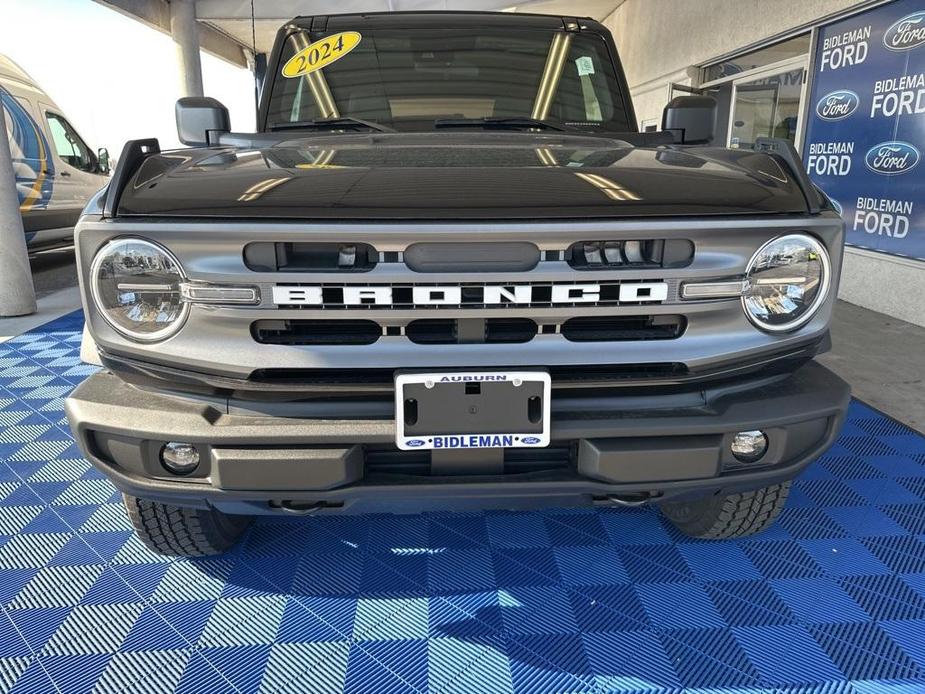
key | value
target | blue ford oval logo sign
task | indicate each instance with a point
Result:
(414, 443)
(906, 33)
(530, 440)
(837, 105)
(892, 158)
(837, 206)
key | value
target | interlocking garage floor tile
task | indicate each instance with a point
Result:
(831, 599)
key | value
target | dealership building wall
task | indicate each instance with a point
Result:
(667, 46)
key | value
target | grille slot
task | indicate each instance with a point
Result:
(623, 328)
(383, 379)
(286, 256)
(509, 330)
(316, 332)
(390, 460)
(440, 331)
(432, 332)
(633, 255)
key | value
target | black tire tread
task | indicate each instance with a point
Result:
(183, 532)
(732, 515)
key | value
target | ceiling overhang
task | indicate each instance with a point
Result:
(228, 32)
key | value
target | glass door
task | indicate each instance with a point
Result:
(767, 105)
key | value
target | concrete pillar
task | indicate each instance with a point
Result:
(17, 294)
(185, 33)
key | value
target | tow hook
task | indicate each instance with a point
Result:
(297, 508)
(626, 500)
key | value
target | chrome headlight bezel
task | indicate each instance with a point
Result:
(821, 296)
(101, 255)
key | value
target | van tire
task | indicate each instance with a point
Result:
(179, 531)
(728, 516)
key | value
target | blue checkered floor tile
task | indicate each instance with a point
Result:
(831, 599)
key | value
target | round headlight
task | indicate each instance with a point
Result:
(136, 287)
(787, 281)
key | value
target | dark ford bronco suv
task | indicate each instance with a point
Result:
(448, 271)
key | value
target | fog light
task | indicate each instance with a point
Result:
(179, 458)
(749, 446)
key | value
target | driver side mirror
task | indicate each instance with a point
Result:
(200, 119)
(102, 156)
(692, 118)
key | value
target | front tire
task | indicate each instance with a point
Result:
(728, 516)
(183, 532)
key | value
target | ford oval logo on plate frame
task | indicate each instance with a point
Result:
(892, 158)
(837, 105)
(906, 33)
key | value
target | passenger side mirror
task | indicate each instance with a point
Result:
(200, 119)
(693, 118)
(102, 155)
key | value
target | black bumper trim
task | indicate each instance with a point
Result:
(103, 403)
(321, 383)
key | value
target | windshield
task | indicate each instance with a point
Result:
(411, 79)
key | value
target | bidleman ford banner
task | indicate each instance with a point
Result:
(865, 135)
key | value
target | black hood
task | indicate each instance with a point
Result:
(458, 176)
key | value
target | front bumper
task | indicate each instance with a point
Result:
(605, 447)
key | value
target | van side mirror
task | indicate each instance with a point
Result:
(200, 119)
(693, 118)
(102, 156)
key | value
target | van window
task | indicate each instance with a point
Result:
(7, 103)
(68, 144)
(26, 145)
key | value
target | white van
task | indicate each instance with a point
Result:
(56, 172)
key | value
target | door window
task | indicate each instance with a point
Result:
(767, 107)
(68, 144)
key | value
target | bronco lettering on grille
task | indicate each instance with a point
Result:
(395, 296)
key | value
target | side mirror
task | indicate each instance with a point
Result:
(693, 117)
(102, 155)
(200, 119)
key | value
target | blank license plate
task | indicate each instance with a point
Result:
(478, 409)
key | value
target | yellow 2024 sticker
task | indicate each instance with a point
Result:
(321, 53)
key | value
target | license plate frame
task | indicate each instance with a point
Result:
(504, 415)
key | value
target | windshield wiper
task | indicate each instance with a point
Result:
(514, 122)
(331, 124)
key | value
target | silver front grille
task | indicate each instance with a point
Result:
(218, 338)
